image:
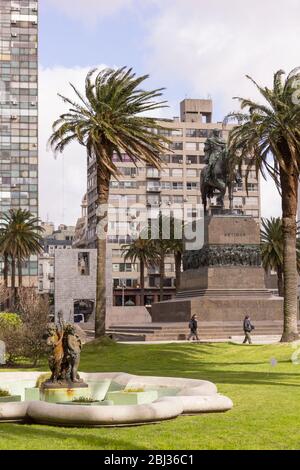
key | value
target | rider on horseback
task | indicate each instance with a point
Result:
(214, 147)
(218, 175)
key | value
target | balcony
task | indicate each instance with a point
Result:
(153, 189)
(153, 174)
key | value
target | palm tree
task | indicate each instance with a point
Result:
(108, 121)
(4, 255)
(161, 233)
(164, 248)
(20, 238)
(268, 137)
(178, 249)
(145, 252)
(177, 228)
(272, 248)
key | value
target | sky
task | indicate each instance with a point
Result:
(192, 48)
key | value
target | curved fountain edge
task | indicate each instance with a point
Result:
(194, 396)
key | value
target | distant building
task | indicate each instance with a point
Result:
(60, 239)
(80, 236)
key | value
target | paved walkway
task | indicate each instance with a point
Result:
(234, 339)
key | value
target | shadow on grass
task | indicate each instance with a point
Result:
(84, 439)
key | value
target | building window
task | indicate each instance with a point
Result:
(238, 202)
(153, 173)
(177, 186)
(177, 172)
(251, 201)
(191, 172)
(252, 187)
(191, 159)
(176, 146)
(191, 146)
(84, 264)
(177, 159)
(192, 186)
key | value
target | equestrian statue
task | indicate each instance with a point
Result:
(218, 175)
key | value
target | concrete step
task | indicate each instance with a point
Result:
(224, 293)
(180, 331)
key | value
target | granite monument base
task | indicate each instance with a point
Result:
(218, 309)
(224, 280)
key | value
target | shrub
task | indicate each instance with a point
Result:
(4, 393)
(11, 333)
(23, 333)
(10, 320)
(34, 311)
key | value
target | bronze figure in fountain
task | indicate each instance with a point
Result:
(64, 355)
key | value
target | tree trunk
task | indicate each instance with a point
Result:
(178, 260)
(100, 310)
(280, 282)
(5, 270)
(162, 277)
(19, 273)
(289, 186)
(142, 282)
(13, 283)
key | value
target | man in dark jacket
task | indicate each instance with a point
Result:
(193, 325)
(248, 327)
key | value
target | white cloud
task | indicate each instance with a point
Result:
(270, 199)
(89, 10)
(63, 180)
(211, 46)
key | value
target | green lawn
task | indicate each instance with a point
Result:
(266, 413)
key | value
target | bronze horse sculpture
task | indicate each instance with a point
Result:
(218, 175)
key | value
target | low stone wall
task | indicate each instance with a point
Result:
(127, 316)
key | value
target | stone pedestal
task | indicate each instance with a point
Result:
(60, 393)
(224, 280)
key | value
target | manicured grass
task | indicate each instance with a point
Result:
(266, 396)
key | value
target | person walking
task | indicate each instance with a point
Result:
(248, 327)
(193, 325)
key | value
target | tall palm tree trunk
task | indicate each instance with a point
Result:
(178, 260)
(20, 273)
(289, 185)
(162, 277)
(5, 270)
(280, 282)
(142, 282)
(13, 282)
(100, 311)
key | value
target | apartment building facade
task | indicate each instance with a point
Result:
(176, 185)
(19, 111)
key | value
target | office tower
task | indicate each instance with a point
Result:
(19, 109)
